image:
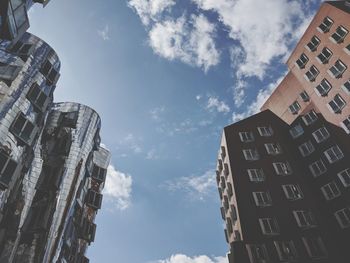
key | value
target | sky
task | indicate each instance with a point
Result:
(166, 76)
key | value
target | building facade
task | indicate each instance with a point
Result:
(283, 174)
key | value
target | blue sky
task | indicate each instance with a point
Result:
(166, 76)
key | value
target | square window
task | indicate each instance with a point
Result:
(324, 56)
(337, 70)
(306, 148)
(344, 177)
(251, 154)
(330, 191)
(339, 35)
(293, 192)
(313, 44)
(315, 247)
(273, 148)
(321, 134)
(337, 104)
(302, 61)
(346, 125)
(269, 226)
(310, 117)
(347, 49)
(262, 199)
(257, 253)
(326, 25)
(304, 96)
(304, 219)
(346, 87)
(312, 74)
(334, 154)
(296, 131)
(343, 217)
(265, 131)
(323, 88)
(286, 251)
(295, 107)
(282, 168)
(246, 136)
(256, 175)
(317, 168)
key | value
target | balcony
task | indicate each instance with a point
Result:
(99, 174)
(93, 199)
(87, 231)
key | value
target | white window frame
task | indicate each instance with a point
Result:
(337, 70)
(347, 49)
(302, 61)
(265, 131)
(321, 134)
(344, 177)
(256, 175)
(323, 88)
(295, 107)
(293, 192)
(346, 87)
(286, 250)
(306, 149)
(337, 104)
(257, 253)
(339, 35)
(251, 154)
(296, 131)
(321, 168)
(262, 199)
(312, 74)
(269, 226)
(343, 217)
(273, 148)
(246, 136)
(334, 154)
(324, 56)
(313, 44)
(326, 25)
(304, 219)
(330, 191)
(282, 168)
(345, 124)
(316, 241)
(310, 117)
(304, 96)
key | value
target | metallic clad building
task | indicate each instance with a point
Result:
(283, 174)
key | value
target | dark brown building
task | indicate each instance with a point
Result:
(284, 174)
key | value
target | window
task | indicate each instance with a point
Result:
(310, 117)
(306, 148)
(220, 166)
(49, 73)
(321, 134)
(8, 72)
(305, 219)
(93, 199)
(337, 70)
(324, 56)
(295, 107)
(292, 192)
(257, 253)
(346, 87)
(282, 168)
(7, 169)
(317, 168)
(88, 230)
(226, 203)
(304, 96)
(296, 131)
(262, 199)
(323, 88)
(233, 213)
(334, 154)
(337, 104)
(315, 247)
(229, 226)
(347, 49)
(223, 152)
(286, 250)
(339, 34)
(330, 191)
(37, 97)
(313, 44)
(326, 25)
(346, 124)
(265, 131)
(273, 148)
(246, 136)
(256, 175)
(312, 74)
(22, 50)
(226, 170)
(344, 177)
(251, 154)
(23, 129)
(302, 61)
(223, 182)
(343, 217)
(229, 189)
(99, 174)
(269, 226)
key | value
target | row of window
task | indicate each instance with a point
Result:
(336, 71)
(292, 192)
(340, 33)
(286, 250)
(248, 136)
(271, 149)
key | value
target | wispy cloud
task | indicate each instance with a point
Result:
(104, 33)
(217, 105)
(180, 258)
(118, 188)
(157, 112)
(131, 142)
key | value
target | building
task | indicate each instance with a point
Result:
(283, 174)
(52, 167)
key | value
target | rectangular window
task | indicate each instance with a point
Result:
(344, 177)
(323, 88)
(251, 154)
(93, 199)
(229, 225)
(295, 107)
(262, 199)
(310, 117)
(88, 230)
(346, 87)
(330, 191)
(346, 124)
(296, 131)
(302, 61)
(265, 131)
(273, 148)
(99, 174)
(256, 175)
(282, 168)
(7, 169)
(324, 56)
(223, 182)
(23, 129)
(50, 73)
(347, 49)
(326, 25)
(315, 247)
(257, 253)
(304, 96)
(343, 217)
(313, 44)
(226, 203)
(226, 170)
(9, 72)
(337, 70)
(317, 168)
(292, 192)
(246, 136)
(223, 152)
(312, 74)
(269, 226)
(321, 134)
(304, 219)
(339, 34)
(306, 148)
(229, 189)
(233, 213)
(286, 251)
(38, 98)
(334, 154)
(337, 104)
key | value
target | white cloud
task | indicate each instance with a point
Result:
(198, 187)
(156, 113)
(150, 10)
(198, 97)
(131, 142)
(104, 33)
(152, 155)
(180, 258)
(118, 188)
(175, 39)
(216, 104)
